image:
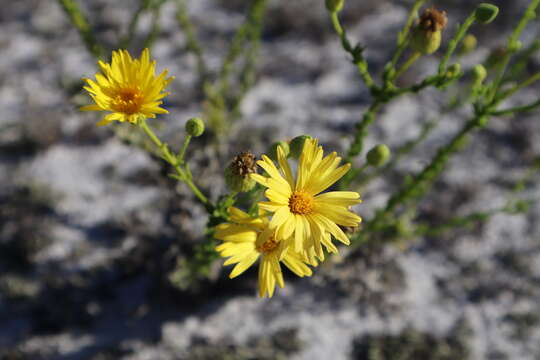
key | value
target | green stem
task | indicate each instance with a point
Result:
(512, 46)
(182, 153)
(80, 22)
(402, 41)
(417, 186)
(361, 131)
(192, 43)
(173, 161)
(236, 48)
(516, 109)
(403, 150)
(412, 59)
(454, 42)
(519, 86)
(126, 41)
(247, 73)
(356, 53)
(154, 30)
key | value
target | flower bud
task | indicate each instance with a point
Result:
(486, 13)
(426, 35)
(195, 127)
(297, 145)
(378, 155)
(237, 173)
(480, 73)
(453, 70)
(334, 5)
(272, 153)
(469, 44)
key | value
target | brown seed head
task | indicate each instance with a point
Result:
(244, 164)
(432, 20)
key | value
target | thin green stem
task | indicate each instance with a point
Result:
(519, 86)
(192, 43)
(402, 41)
(417, 186)
(512, 47)
(170, 158)
(517, 109)
(403, 150)
(407, 64)
(247, 73)
(80, 22)
(182, 152)
(361, 130)
(132, 27)
(455, 41)
(155, 28)
(243, 34)
(356, 53)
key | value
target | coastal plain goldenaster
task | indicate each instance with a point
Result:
(128, 88)
(300, 210)
(247, 239)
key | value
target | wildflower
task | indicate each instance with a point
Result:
(300, 210)
(248, 239)
(128, 88)
(426, 36)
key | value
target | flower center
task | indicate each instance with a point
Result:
(128, 101)
(268, 246)
(301, 203)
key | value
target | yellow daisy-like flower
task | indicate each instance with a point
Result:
(129, 88)
(247, 239)
(300, 210)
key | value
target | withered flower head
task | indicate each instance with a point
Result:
(237, 173)
(426, 35)
(432, 20)
(244, 164)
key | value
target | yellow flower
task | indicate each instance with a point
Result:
(128, 88)
(247, 239)
(300, 211)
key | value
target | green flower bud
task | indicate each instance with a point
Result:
(453, 70)
(195, 127)
(486, 13)
(469, 44)
(426, 35)
(378, 155)
(237, 173)
(480, 73)
(297, 145)
(334, 5)
(272, 153)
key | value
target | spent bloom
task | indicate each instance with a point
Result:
(128, 88)
(426, 36)
(247, 239)
(300, 210)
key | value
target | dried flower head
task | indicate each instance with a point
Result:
(432, 20)
(426, 36)
(237, 173)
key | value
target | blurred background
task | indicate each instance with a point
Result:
(91, 228)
